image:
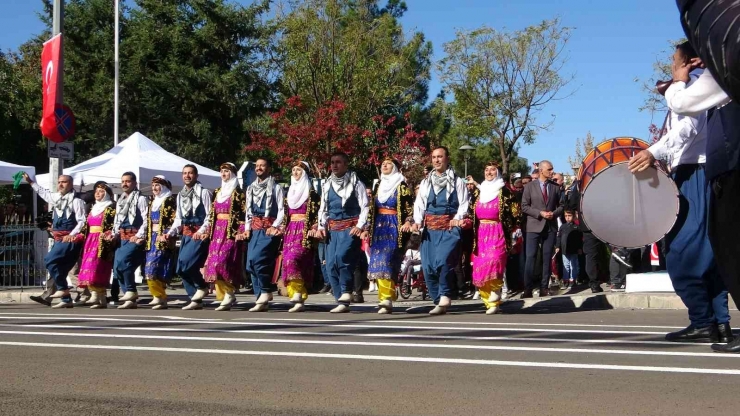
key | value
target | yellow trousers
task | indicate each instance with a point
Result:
(296, 286)
(222, 288)
(386, 290)
(488, 288)
(101, 290)
(158, 288)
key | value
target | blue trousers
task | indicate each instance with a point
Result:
(59, 261)
(322, 258)
(129, 256)
(689, 256)
(192, 258)
(440, 254)
(342, 252)
(262, 252)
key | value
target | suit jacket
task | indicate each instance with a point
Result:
(533, 203)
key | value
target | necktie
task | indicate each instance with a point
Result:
(544, 193)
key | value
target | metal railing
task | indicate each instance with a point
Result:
(22, 249)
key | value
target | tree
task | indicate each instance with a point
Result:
(654, 102)
(352, 51)
(583, 147)
(389, 137)
(502, 80)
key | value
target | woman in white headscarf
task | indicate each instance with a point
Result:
(225, 264)
(392, 206)
(97, 255)
(495, 214)
(298, 250)
(158, 267)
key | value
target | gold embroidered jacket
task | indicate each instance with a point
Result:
(166, 219)
(312, 217)
(509, 213)
(237, 212)
(106, 249)
(404, 210)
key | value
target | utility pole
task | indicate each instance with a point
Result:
(115, 87)
(56, 165)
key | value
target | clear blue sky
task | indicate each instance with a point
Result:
(614, 42)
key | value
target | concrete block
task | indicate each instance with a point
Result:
(649, 282)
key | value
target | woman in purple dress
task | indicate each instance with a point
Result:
(495, 214)
(97, 255)
(298, 249)
(225, 263)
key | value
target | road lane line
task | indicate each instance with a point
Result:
(379, 344)
(435, 360)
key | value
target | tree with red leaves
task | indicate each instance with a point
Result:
(388, 138)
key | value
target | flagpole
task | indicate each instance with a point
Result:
(56, 165)
(115, 89)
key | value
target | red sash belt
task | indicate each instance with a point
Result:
(341, 225)
(437, 222)
(127, 233)
(189, 230)
(59, 236)
(262, 223)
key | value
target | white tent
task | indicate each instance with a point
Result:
(7, 170)
(137, 154)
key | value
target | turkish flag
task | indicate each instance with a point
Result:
(50, 70)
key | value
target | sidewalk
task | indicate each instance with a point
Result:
(584, 300)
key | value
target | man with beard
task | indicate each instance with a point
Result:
(67, 221)
(342, 217)
(264, 216)
(441, 206)
(193, 207)
(131, 229)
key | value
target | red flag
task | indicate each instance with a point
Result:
(50, 69)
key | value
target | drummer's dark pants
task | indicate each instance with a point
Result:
(689, 254)
(546, 237)
(591, 248)
(724, 229)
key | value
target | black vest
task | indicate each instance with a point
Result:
(723, 140)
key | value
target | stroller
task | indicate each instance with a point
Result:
(412, 278)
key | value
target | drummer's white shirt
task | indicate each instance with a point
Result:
(685, 141)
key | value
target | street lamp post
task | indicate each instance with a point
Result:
(465, 149)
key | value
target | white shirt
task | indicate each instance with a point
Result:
(205, 200)
(685, 141)
(78, 206)
(143, 206)
(420, 205)
(360, 193)
(279, 201)
(704, 94)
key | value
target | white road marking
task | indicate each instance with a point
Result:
(405, 359)
(380, 344)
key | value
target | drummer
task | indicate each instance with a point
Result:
(689, 255)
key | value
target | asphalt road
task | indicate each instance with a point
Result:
(142, 362)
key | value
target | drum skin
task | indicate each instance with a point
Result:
(608, 153)
(630, 210)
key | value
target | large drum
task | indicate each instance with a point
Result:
(624, 209)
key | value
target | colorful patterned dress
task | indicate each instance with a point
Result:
(489, 262)
(159, 265)
(97, 257)
(298, 253)
(384, 244)
(225, 254)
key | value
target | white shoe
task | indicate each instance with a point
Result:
(386, 304)
(155, 301)
(63, 305)
(477, 295)
(224, 308)
(94, 298)
(346, 297)
(444, 301)
(438, 310)
(102, 304)
(160, 306)
(130, 295)
(298, 307)
(193, 306)
(340, 308)
(199, 294)
(385, 311)
(495, 296)
(59, 294)
(504, 295)
(128, 305)
(373, 287)
(493, 310)
(264, 298)
(297, 298)
(226, 303)
(260, 307)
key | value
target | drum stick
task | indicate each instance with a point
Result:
(634, 200)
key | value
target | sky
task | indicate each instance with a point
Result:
(612, 49)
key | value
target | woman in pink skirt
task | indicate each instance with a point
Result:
(97, 255)
(495, 214)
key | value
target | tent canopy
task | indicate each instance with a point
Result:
(7, 170)
(137, 154)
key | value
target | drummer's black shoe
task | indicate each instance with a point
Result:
(596, 289)
(694, 334)
(725, 333)
(39, 299)
(527, 294)
(732, 347)
(358, 298)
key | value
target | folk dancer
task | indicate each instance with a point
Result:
(158, 266)
(224, 265)
(264, 216)
(441, 207)
(97, 255)
(302, 204)
(495, 212)
(68, 218)
(130, 228)
(193, 207)
(342, 216)
(391, 207)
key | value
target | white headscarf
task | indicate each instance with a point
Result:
(163, 194)
(227, 187)
(489, 189)
(389, 183)
(101, 205)
(299, 190)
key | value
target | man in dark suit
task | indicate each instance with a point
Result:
(542, 204)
